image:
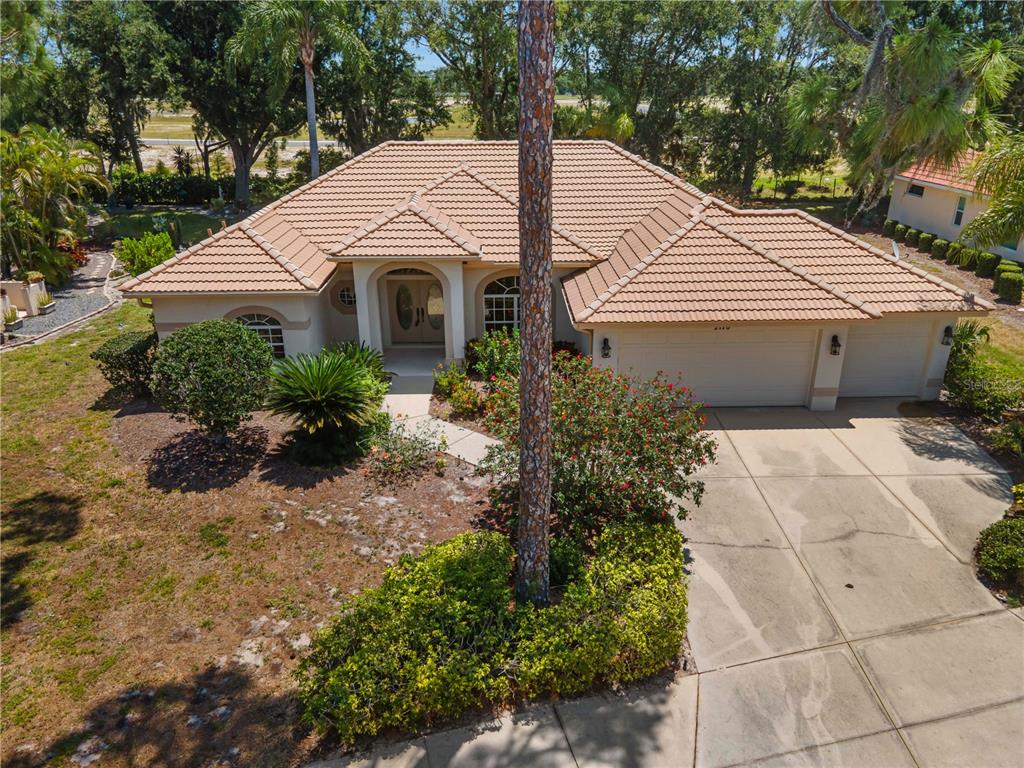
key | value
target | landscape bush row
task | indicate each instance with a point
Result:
(1006, 274)
(1000, 550)
(443, 634)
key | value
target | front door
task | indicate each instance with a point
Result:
(417, 311)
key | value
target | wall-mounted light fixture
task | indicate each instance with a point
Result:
(947, 336)
(606, 347)
(835, 346)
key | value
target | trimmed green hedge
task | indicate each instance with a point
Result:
(939, 248)
(986, 264)
(1009, 286)
(924, 242)
(889, 228)
(1000, 552)
(1006, 266)
(442, 634)
(126, 361)
(912, 236)
(968, 258)
(953, 252)
(900, 233)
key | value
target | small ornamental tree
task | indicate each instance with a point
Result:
(214, 373)
(623, 448)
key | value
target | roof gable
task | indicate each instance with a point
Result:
(412, 229)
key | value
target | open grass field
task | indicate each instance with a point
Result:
(157, 592)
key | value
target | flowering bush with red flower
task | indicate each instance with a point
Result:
(622, 448)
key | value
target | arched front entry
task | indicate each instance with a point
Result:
(415, 308)
(411, 304)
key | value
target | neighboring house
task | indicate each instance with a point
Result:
(939, 199)
(415, 244)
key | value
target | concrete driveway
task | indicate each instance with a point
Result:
(835, 618)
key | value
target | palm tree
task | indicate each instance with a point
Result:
(292, 29)
(46, 179)
(999, 173)
(536, 110)
(926, 94)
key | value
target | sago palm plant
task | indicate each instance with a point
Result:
(326, 394)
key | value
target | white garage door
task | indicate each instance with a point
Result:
(731, 366)
(885, 358)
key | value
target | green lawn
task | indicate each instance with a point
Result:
(1005, 349)
(137, 222)
(461, 126)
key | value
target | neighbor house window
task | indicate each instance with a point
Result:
(268, 329)
(916, 190)
(501, 304)
(1010, 247)
(958, 217)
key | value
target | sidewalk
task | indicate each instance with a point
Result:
(409, 401)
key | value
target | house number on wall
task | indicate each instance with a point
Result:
(723, 327)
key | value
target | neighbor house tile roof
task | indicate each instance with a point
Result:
(599, 191)
(653, 248)
(943, 174)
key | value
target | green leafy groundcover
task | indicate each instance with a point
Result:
(443, 634)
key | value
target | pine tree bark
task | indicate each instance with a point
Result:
(536, 110)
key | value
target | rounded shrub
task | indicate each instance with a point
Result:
(986, 264)
(912, 236)
(1000, 552)
(1006, 266)
(900, 233)
(939, 248)
(924, 242)
(968, 258)
(1009, 286)
(429, 643)
(889, 228)
(126, 361)
(953, 252)
(442, 633)
(214, 373)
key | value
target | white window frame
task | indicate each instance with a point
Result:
(267, 328)
(958, 214)
(501, 296)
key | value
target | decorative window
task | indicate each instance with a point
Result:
(958, 216)
(347, 296)
(916, 190)
(267, 328)
(501, 304)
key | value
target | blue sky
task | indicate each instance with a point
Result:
(425, 59)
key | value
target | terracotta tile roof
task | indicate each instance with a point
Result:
(717, 263)
(943, 175)
(599, 192)
(411, 230)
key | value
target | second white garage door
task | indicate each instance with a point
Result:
(885, 358)
(766, 365)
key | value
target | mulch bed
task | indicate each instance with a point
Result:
(209, 570)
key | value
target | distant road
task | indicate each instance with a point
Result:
(300, 143)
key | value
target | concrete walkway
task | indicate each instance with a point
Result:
(408, 401)
(835, 618)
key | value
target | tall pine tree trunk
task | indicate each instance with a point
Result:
(536, 108)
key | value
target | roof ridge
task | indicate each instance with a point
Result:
(249, 220)
(805, 274)
(458, 233)
(626, 278)
(970, 297)
(280, 258)
(657, 170)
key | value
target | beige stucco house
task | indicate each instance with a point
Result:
(414, 246)
(939, 199)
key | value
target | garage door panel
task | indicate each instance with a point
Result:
(885, 359)
(748, 368)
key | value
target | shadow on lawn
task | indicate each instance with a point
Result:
(40, 519)
(192, 462)
(218, 716)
